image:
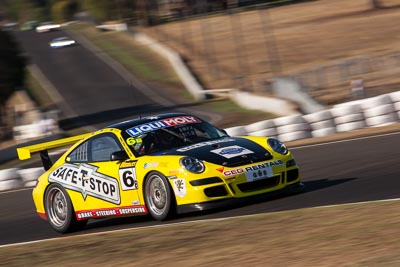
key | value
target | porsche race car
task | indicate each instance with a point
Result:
(158, 165)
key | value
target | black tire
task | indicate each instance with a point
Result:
(159, 197)
(59, 210)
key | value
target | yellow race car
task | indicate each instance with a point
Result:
(159, 165)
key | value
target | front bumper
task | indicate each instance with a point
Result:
(289, 189)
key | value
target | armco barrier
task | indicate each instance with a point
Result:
(371, 112)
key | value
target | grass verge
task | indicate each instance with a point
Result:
(350, 235)
(37, 93)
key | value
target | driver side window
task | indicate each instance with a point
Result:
(101, 148)
(96, 149)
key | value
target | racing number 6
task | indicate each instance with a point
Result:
(128, 179)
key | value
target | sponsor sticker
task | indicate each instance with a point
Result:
(233, 172)
(174, 172)
(202, 144)
(85, 179)
(127, 176)
(121, 211)
(160, 124)
(252, 172)
(261, 171)
(259, 174)
(179, 187)
(150, 165)
(133, 141)
(128, 164)
(232, 151)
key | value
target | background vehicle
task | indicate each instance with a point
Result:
(60, 42)
(47, 27)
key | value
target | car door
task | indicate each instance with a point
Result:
(105, 187)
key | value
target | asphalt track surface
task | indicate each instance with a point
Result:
(363, 169)
(336, 173)
(92, 93)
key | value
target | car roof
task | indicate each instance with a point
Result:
(125, 125)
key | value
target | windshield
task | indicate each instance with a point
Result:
(173, 137)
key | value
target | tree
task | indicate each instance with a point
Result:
(12, 66)
(12, 70)
(104, 10)
(100, 9)
(64, 10)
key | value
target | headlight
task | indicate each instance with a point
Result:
(191, 164)
(277, 146)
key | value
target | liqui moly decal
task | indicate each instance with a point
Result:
(160, 124)
(85, 179)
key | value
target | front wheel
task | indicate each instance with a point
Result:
(159, 197)
(59, 210)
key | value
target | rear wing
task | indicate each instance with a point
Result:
(27, 151)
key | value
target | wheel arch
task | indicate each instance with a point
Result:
(173, 204)
(146, 177)
(66, 190)
(69, 222)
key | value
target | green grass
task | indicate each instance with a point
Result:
(131, 61)
(139, 60)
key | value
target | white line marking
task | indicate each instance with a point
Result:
(188, 222)
(344, 140)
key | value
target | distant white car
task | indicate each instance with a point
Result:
(47, 27)
(11, 26)
(62, 42)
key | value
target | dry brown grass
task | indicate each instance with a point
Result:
(353, 235)
(306, 35)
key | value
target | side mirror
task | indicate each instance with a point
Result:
(119, 156)
(224, 131)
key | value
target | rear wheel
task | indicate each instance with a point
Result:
(159, 197)
(59, 210)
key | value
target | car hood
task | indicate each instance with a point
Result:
(227, 151)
